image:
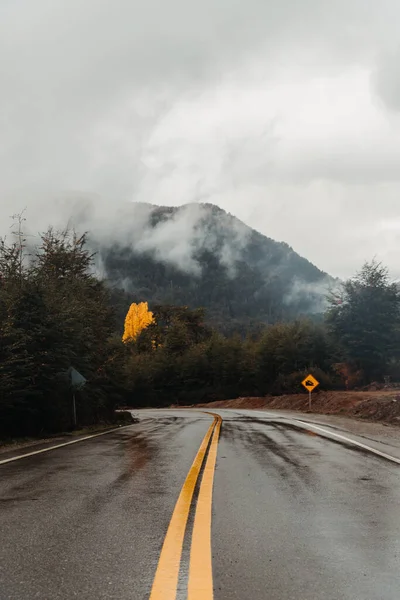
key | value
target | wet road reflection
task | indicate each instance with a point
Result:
(303, 517)
(294, 515)
(88, 521)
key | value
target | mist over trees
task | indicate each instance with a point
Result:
(200, 255)
(56, 314)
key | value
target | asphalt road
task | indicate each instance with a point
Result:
(294, 515)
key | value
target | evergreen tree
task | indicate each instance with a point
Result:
(364, 320)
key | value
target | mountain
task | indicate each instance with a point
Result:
(200, 255)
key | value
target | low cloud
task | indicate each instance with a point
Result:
(177, 237)
(284, 114)
(316, 294)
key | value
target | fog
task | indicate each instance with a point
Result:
(285, 115)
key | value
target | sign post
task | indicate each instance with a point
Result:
(310, 383)
(77, 381)
(73, 408)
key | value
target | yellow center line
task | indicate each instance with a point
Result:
(166, 578)
(200, 586)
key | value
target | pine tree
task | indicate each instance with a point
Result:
(364, 319)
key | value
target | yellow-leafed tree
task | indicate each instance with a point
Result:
(138, 318)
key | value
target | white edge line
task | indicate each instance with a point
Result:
(307, 425)
(87, 437)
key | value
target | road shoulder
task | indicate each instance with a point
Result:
(380, 436)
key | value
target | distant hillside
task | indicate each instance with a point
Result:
(199, 255)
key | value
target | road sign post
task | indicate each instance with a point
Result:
(77, 382)
(74, 409)
(310, 383)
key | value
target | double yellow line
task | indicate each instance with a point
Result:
(200, 583)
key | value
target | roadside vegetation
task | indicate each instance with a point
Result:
(55, 314)
(178, 359)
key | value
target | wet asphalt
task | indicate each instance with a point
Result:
(294, 515)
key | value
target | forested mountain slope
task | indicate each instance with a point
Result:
(199, 255)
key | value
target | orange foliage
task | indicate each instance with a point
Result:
(351, 377)
(138, 318)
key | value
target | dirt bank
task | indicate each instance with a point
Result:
(375, 406)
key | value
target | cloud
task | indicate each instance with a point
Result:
(178, 237)
(315, 294)
(284, 113)
(386, 78)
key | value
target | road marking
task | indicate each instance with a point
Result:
(166, 578)
(200, 586)
(306, 424)
(87, 437)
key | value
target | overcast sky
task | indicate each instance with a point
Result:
(286, 114)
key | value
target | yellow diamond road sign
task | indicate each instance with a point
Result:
(310, 383)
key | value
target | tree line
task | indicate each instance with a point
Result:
(176, 357)
(56, 314)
